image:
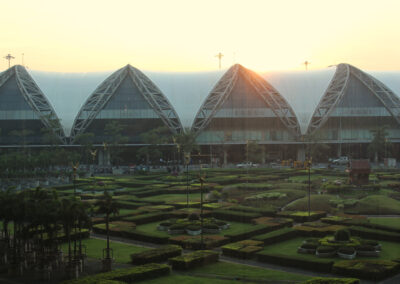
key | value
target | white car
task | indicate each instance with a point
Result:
(341, 161)
(247, 165)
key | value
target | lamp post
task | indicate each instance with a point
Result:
(187, 161)
(74, 169)
(309, 161)
(202, 179)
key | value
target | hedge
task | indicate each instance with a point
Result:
(160, 254)
(325, 280)
(252, 231)
(367, 269)
(147, 218)
(229, 215)
(138, 273)
(263, 211)
(126, 204)
(194, 259)
(302, 216)
(194, 242)
(317, 264)
(134, 235)
(374, 234)
(243, 249)
(277, 236)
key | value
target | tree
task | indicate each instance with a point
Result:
(154, 138)
(379, 146)
(114, 137)
(316, 150)
(86, 141)
(253, 151)
(107, 206)
(186, 141)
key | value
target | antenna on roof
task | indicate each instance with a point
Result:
(219, 56)
(306, 63)
(9, 57)
(22, 59)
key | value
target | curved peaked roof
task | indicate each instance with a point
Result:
(105, 91)
(68, 91)
(35, 98)
(302, 89)
(337, 89)
(185, 90)
(222, 90)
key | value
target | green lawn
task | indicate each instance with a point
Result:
(94, 249)
(230, 271)
(393, 222)
(390, 250)
(318, 203)
(377, 204)
(235, 227)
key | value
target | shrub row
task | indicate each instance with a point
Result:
(244, 249)
(194, 259)
(367, 269)
(302, 216)
(263, 211)
(134, 274)
(321, 265)
(156, 255)
(147, 218)
(230, 215)
(325, 280)
(134, 235)
(126, 204)
(374, 234)
(252, 231)
(277, 236)
(194, 242)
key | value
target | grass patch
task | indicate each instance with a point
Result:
(94, 249)
(393, 222)
(377, 204)
(318, 203)
(171, 198)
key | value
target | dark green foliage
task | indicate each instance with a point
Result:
(243, 249)
(277, 236)
(326, 249)
(230, 215)
(342, 235)
(325, 280)
(147, 218)
(346, 250)
(374, 234)
(252, 231)
(156, 255)
(195, 259)
(263, 211)
(129, 275)
(309, 246)
(367, 269)
(317, 264)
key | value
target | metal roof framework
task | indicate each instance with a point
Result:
(337, 89)
(104, 92)
(35, 99)
(221, 91)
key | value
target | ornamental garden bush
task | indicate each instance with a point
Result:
(195, 259)
(243, 249)
(156, 255)
(192, 225)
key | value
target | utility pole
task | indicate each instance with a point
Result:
(219, 56)
(306, 63)
(9, 57)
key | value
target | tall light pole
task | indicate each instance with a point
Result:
(219, 56)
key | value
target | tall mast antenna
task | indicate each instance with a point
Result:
(9, 57)
(22, 59)
(219, 56)
(306, 63)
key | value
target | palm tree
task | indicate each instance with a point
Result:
(186, 141)
(107, 206)
(68, 213)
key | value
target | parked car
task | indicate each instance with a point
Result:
(247, 165)
(344, 160)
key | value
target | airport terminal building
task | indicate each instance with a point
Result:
(280, 111)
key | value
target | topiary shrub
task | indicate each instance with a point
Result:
(342, 235)
(346, 250)
(325, 249)
(194, 217)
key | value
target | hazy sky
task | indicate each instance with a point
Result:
(173, 35)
